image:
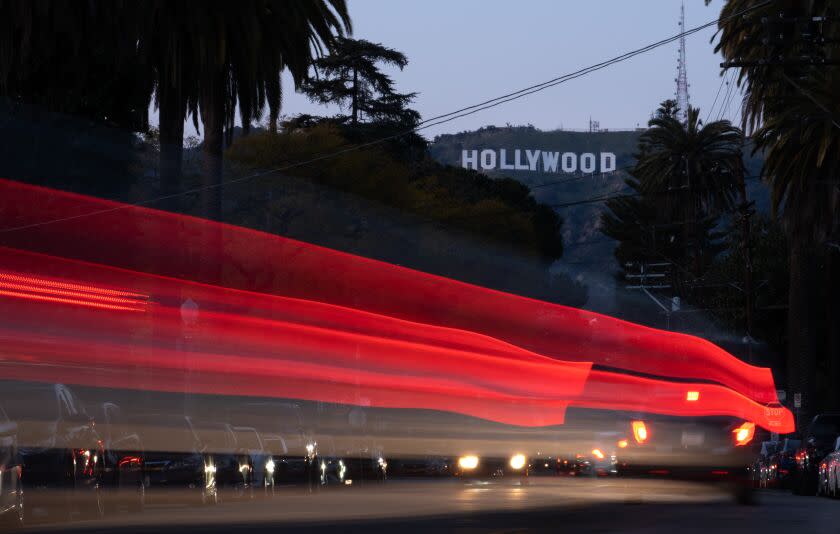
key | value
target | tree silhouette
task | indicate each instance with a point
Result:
(351, 77)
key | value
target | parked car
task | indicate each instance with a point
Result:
(61, 452)
(364, 463)
(177, 463)
(292, 442)
(262, 460)
(122, 468)
(817, 442)
(783, 463)
(234, 467)
(423, 466)
(829, 470)
(763, 470)
(11, 491)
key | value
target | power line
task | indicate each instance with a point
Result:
(714, 103)
(812, 99)
(725, 102)
(428, 123)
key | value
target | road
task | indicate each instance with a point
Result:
(543, 505)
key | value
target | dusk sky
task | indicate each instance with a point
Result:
(465, 51)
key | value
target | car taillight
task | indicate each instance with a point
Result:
(744, 434)
(640, 432)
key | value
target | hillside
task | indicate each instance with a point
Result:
(588, 254)
(583, 242)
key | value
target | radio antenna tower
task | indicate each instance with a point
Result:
(682, 77)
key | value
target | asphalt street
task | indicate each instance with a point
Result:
(541, 505)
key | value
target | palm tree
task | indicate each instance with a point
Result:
(695, 166)
(210, 56)
(791, 107)
(74, 58)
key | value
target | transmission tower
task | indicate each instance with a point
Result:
(682, 77)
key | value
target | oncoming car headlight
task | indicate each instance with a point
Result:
(517, 461)
(269, 466)
(467, 462)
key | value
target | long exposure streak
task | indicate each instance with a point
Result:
(263, 345)
(198, 250)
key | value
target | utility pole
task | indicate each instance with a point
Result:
(649, 279)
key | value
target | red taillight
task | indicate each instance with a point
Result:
(128, 460)
(56, 291)
(744, 434)
(640, 432)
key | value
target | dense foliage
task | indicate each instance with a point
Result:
(501, 210)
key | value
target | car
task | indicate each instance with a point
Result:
(703, 449)
(233, 464)
(11, 490)
(428, 466)
(62, 454)
(594, 463)
(829, 470)
(783, 463)
(364, 463)
(763, 469)
(122, 469)
(470, 466)
(600, 457)
(817, 442)
(292, 442)
(261, 458)
(177, 463)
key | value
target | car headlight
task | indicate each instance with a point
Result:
(517, 461)
(269, 466)
(469, 461)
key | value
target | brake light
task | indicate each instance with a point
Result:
(640, 432)
(692, 396)
(56, 291)
(622, 444)
(744, 434)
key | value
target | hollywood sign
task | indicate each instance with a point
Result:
(537, 161)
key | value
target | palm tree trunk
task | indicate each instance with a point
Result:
(745, 209)
(832, 278)
(212, 106)
(355, 112)
(803, 318)
(171, 145)
(212, 116)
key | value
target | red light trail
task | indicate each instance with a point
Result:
(177, 246)
(264, 345)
